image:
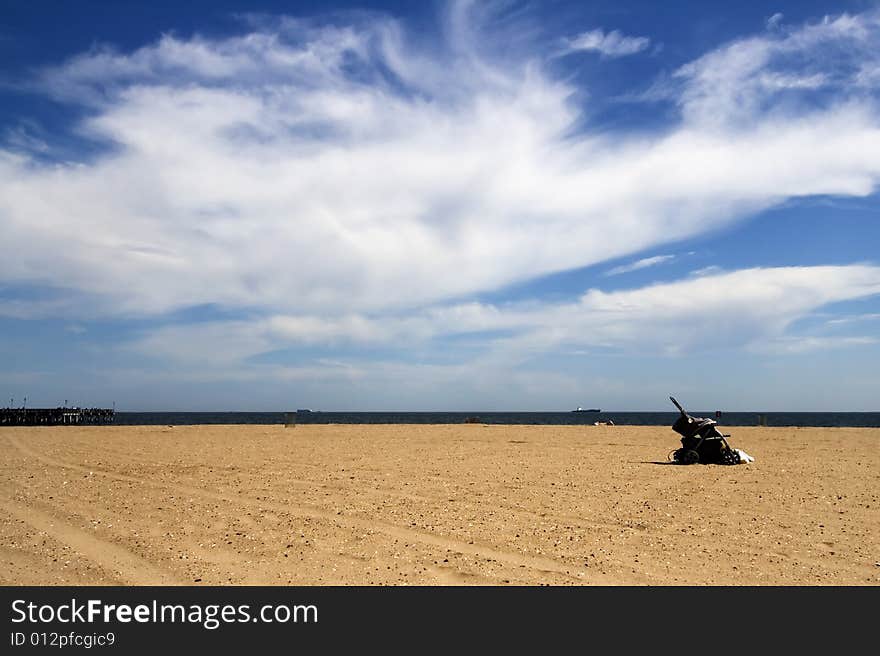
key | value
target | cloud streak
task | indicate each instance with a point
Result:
(644, 263)
(611, 44)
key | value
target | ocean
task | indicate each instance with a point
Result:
(831, 419)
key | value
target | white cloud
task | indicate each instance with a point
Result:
(608, 44)
(22, 139)
(854, 318)
(352, 183)
(868, 75)
(781, 81)
(37, 309)
(797, 345)
(729, 86)
(212, 345)
(725, 310)
(639, 264)
(748, 308)
(704, 271)
(774, 21)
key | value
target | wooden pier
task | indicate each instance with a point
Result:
(56, 416)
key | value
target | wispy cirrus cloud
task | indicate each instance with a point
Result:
(751, 308)
(798, 345)
(611, 44)
(707, 270)
(25, 138)
(762, 75)
(774, 21)
(746, 308)
(854, 319)
(644, 263)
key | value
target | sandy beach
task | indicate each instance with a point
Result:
(434, 505)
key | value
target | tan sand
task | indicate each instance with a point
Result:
(464, 504)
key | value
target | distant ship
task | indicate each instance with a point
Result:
(580, 409)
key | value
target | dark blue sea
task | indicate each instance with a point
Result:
(853, 419)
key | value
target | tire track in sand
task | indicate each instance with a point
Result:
(122, 564)
(412, 535)
(547, 516)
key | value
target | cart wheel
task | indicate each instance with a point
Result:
(688, 457)
(730, 457)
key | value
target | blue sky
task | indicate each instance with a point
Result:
(440, 206)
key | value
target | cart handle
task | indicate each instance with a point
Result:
(677, 405)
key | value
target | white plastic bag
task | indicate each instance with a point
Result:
(743, 456)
